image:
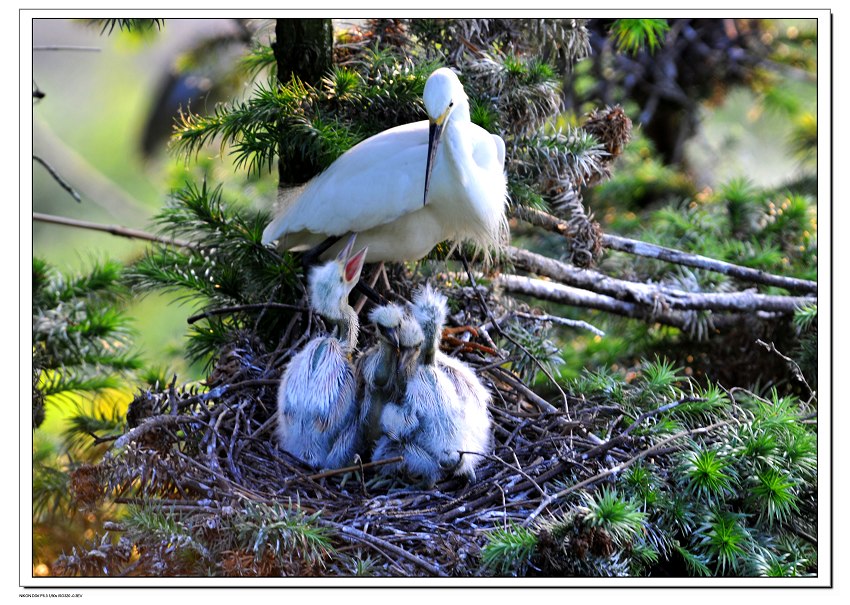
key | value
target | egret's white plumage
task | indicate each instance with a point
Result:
(317, 410)
(471, 416)
(376, 189)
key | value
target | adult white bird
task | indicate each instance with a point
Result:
(317, 410)
(470, 416)
(408, 188)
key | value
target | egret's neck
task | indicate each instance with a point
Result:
(460, 112)
(430, 343)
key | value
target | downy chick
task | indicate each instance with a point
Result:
(317, 411)
(377, 371)
(472, 418)
(420, 427)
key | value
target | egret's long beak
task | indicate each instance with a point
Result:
(435, 131)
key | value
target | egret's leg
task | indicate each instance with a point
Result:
(311, 256)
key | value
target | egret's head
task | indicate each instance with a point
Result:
(388, 320)
(443, 93)
(330, 284)
(410, 340)
(443, 96)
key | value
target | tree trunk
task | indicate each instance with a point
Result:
(303, 49)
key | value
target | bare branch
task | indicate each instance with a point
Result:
(235, 308)
(654, 295)
(113, 229)
(639, 248)
(92, 49)
(573, 323)
(56, 176)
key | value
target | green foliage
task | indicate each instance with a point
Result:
(619, 517)
(632, 35)
(508, 550)
(224, 265)
(285, 532)
(257, 540)
(774, 496)
(725, 541)
(530, 347)
(310, 126)
(127, 25)
(707, 474)
(80, 335)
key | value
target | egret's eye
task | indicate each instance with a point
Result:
(451, 103)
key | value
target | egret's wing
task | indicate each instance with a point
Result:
(373, 183)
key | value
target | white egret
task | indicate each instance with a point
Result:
(472, 418)
(377, 370)
(317, 409)
(408, 188)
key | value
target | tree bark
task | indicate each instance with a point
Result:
(303, 49)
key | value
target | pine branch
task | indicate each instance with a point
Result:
(567, 295)
(647, 250)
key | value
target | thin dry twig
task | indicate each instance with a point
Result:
(551, 499)
(52, 171)
(113, 229)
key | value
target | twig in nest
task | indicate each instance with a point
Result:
(348, 469)
(374, 541)
(516, 468)
(507, 336)
(235, 308)
(604, 447)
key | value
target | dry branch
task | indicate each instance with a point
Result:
(113, 229)
(671, 255)
(57, 177)
(653, 295)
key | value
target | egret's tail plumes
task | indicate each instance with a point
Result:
(278, 228)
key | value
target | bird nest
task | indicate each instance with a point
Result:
(204, 453)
